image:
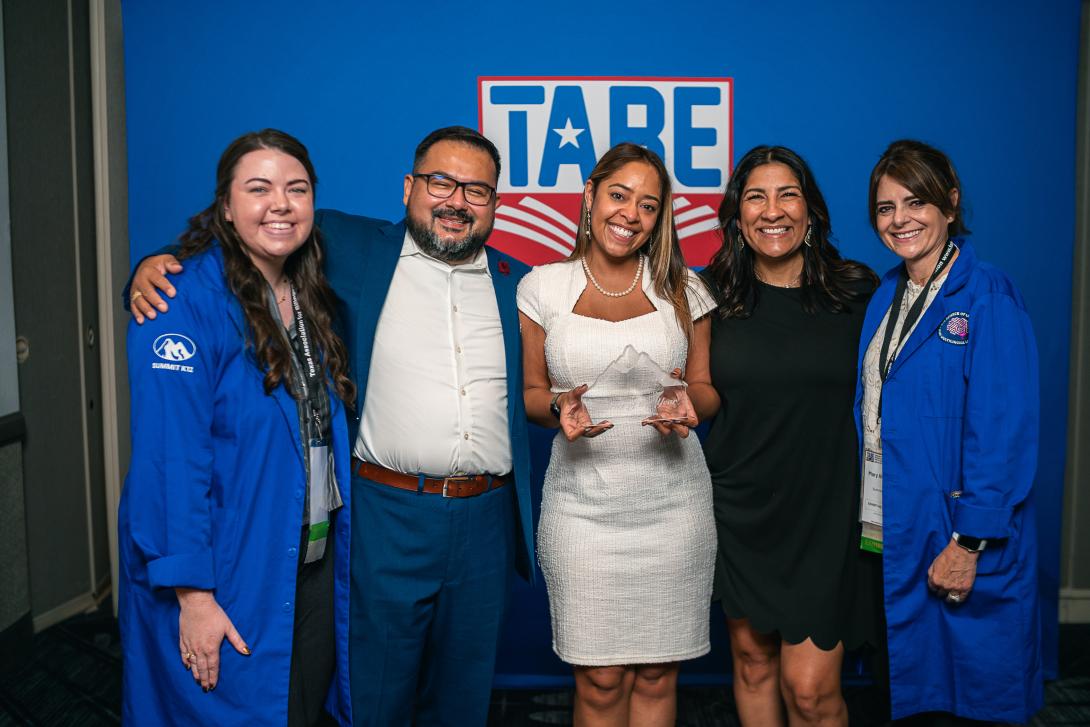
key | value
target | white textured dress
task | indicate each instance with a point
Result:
(627, 538)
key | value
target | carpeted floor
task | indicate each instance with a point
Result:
(74, 678)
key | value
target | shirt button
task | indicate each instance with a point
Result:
(286, 606)
(292, 551)
(299, 494)
(462, 392)
(457, 349)
(455, 309)
(465, 436)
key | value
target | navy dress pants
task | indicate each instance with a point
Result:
(429, 586)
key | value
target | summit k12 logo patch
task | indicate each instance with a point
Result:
(174, 348)
(550, 132)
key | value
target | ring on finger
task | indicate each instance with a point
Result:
(136, 294)
(953, 597)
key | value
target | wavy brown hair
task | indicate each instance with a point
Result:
(828, 280)
(669, 275)
(303, 268)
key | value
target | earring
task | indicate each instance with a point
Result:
(809, 232)
(587, 218)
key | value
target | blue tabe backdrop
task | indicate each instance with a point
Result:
(993, 83)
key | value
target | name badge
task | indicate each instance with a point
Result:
(870, 502)
(324, 498)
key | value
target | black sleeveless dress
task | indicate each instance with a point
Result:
(784, 463)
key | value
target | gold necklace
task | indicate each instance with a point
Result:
(796, 282)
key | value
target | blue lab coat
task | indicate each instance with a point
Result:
(214, 499)
(959, 452)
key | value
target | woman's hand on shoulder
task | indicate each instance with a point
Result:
(575, 420)
(149, 279)
(202, 627)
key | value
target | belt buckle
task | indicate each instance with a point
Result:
(454, 478)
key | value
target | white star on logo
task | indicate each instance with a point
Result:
(568, 135)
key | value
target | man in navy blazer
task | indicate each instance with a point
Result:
(441, 507)
(429, 573)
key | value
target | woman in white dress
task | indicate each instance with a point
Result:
(627, 538)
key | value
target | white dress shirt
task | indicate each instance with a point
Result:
(436, 400)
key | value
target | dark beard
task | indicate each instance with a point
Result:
(434, 246)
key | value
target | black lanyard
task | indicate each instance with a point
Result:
(312, 375)
(914, 311)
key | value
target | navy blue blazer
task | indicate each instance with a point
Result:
(360, 256)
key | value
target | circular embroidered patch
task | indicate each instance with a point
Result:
(955, 328)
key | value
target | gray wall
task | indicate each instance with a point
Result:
(9, 382)
(1075, 559)
(15, 595)
(50, 154)
(15, 620)
(112, 207)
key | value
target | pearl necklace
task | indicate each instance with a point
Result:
(793, 284)
(610, 293)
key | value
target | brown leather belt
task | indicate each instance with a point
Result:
(454, 486)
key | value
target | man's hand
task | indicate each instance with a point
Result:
(147, 281)
(952, 573)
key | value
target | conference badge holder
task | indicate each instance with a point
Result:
(325, 497)
(870, 502)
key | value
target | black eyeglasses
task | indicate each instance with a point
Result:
(442, 186)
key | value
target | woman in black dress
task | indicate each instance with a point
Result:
(782, 450)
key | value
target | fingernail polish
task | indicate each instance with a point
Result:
(205, 689)
(246, 650)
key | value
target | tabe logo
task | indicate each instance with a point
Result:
(550, 131)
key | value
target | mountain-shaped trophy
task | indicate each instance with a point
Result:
(642, 390)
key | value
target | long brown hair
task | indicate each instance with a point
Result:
(668, 272)
(827, 278)
(303, 268)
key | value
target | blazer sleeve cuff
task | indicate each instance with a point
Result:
(983, 522)
(191, 570)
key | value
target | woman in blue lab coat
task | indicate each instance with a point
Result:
(947, 411)
(233, 544)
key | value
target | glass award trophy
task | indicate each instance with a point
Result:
(638, 388)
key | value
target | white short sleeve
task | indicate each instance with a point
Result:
(528, 297)
(701, 300)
